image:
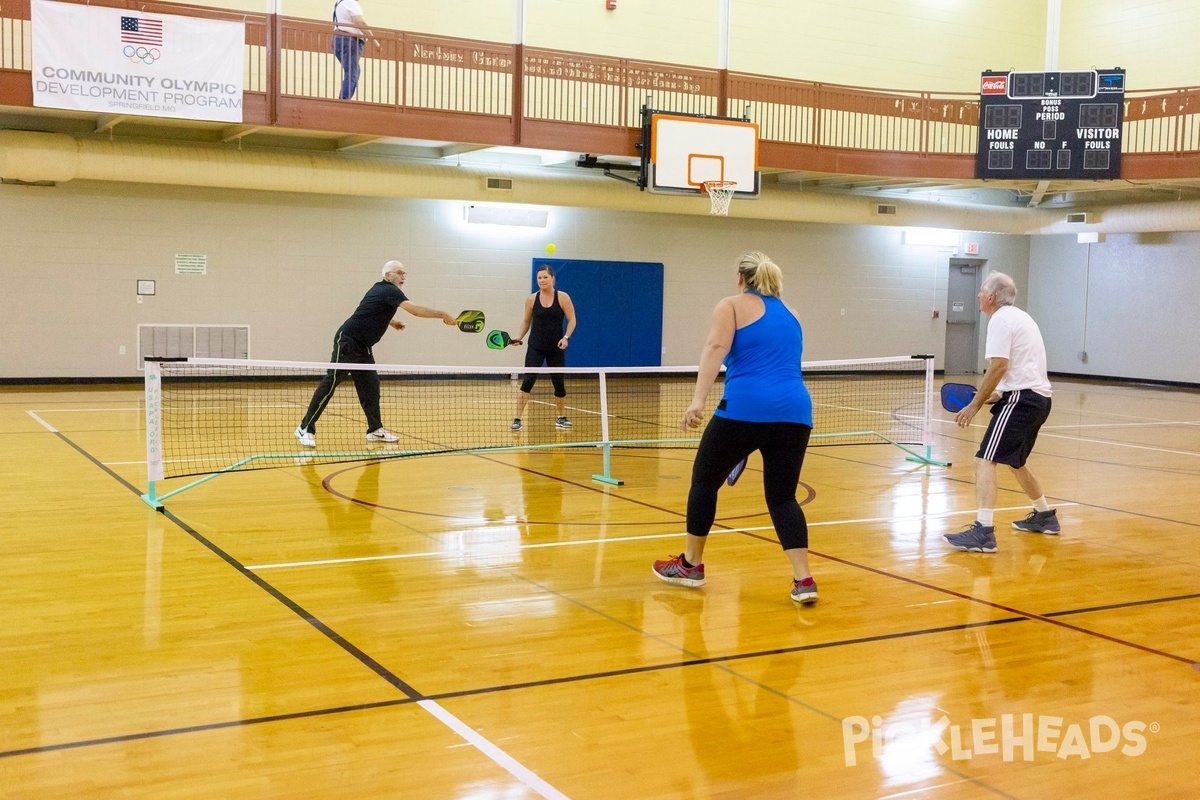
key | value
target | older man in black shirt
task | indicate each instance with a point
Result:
(352, 345)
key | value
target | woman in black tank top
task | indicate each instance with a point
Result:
(546, 310)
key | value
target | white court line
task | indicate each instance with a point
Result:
(42, 422)
(1120, 425)
(502, 759)
(1098, 441)
(1192, 453)
(72, 410)
(456, 553)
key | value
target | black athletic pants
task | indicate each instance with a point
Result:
(366, 383)
(726, 442)
(553, 357)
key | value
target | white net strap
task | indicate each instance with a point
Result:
(720, 192)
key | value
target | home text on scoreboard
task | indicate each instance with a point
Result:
(1051, 125)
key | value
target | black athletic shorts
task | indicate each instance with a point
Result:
(1016, 419)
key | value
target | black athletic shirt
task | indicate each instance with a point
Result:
(369, 322)
(547, 325)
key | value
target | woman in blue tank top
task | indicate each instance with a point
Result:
(765, 407)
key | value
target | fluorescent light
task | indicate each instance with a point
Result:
(930, 237)
(507, 215)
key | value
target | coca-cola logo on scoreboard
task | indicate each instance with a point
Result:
(994, 84)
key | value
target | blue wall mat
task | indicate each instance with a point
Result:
(619, 310)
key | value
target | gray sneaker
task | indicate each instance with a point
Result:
(1039, 522)
(516, 424)
(978, 538)
(804, 592)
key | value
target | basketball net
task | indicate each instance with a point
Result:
(720, 192)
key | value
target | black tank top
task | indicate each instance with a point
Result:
(547, 326)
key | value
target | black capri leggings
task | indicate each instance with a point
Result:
(551, 358)
(726, 442)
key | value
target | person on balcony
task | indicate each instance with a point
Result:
(350, 29)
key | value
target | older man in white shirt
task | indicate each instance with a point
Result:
(1017, 384)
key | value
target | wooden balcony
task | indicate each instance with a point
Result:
(422, 87)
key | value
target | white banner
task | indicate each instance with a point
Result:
(119, 61)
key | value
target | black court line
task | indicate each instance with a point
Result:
(725, 659)
(1009, 609)
(295, 607)
(413, 696)
(1049, 619)
(1130, 604)
(292, 605)
(212, 726)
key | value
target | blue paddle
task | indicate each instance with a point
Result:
(957, 396)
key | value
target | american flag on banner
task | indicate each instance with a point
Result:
(139, 30)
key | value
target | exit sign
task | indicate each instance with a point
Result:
(972, 248)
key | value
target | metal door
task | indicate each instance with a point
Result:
(962, 316)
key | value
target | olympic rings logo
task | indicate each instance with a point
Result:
(142, 55)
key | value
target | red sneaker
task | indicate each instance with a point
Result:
(804, 591)
(673, 571)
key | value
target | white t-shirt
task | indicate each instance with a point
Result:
(343, 12)
(1013, 334)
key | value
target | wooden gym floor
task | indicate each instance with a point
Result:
(487, 626)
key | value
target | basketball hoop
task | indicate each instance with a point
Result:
(720, 192)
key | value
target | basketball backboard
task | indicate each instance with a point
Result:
(686, 151)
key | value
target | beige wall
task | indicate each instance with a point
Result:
(931, 45)
(491, 21)
(293, 267)
(935, 45)
(1154, 40)
(252, 6)
(672, 31)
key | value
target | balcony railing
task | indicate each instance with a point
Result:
(433, 87)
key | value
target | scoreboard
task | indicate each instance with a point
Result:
(1051, 125)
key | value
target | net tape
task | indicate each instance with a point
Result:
(220, 415)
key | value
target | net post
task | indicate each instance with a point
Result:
(606, 476)
(153, 400)
(927, 419)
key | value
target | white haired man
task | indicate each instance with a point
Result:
(1017, 385)
(352, 345)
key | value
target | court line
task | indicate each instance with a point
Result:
(47, 425)
(735, 530)
(1009, 609)
(1163, 423)
(1022, 614)
(492, 752)
(501, 758)
(1090, 440)
(481, 744)
(646, 537)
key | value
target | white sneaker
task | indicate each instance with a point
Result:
(306, 439)
(382, 435)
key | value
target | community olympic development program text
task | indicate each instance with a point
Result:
(139, 91)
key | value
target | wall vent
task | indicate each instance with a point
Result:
(884, 208)
(501, 184)
(1079, 219)
(193, 341)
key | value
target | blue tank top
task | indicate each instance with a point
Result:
(762, 370)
